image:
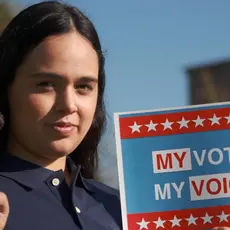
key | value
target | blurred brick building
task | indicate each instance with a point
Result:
(209, 83)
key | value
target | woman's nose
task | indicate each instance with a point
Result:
(67, 101)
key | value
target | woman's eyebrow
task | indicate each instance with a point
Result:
(55, 75)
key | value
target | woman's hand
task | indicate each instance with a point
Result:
(4, 210)
(221, 228)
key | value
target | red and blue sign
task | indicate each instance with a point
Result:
(174, 167)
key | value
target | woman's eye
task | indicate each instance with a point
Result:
(46, 84)
(84, 88)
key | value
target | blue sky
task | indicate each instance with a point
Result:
(149, 44)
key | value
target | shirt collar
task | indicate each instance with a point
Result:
(78, 178)
(32, 175)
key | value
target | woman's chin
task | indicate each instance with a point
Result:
(63, 148)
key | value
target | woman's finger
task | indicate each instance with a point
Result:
(4, 210)
(221, 228)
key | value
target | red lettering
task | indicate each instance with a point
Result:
(164, 164)
(225, 185)
(198, 190)
(209, 186)
(180, 159)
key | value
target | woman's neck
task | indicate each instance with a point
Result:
(44, 160)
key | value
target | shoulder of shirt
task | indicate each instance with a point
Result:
(6, 185)
(97, 185)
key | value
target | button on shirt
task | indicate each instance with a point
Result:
(40, 199)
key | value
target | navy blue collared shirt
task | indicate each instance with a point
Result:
(40, 199)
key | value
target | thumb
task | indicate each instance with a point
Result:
(4, 210)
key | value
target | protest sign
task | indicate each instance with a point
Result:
(174, 167)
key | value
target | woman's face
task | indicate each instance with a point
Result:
(53, 97)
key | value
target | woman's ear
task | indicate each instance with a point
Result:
(2, 121)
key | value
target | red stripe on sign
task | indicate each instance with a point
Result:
(175, 123)
(201, 218)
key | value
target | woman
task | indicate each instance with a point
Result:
(51, 99)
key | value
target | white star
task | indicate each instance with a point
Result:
(207, 218)
(151, 126)
(143, 224)
(159, 223)
(191, 220)
(199, 121)
(228, 118)
(215, 120)
(223, 217)
(135, 127)
(183, 123)
(167, 124)
(175, 221)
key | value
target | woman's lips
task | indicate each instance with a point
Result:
(64, 129)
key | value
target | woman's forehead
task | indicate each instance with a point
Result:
(67, 54)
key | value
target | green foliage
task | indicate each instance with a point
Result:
(6, 14)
